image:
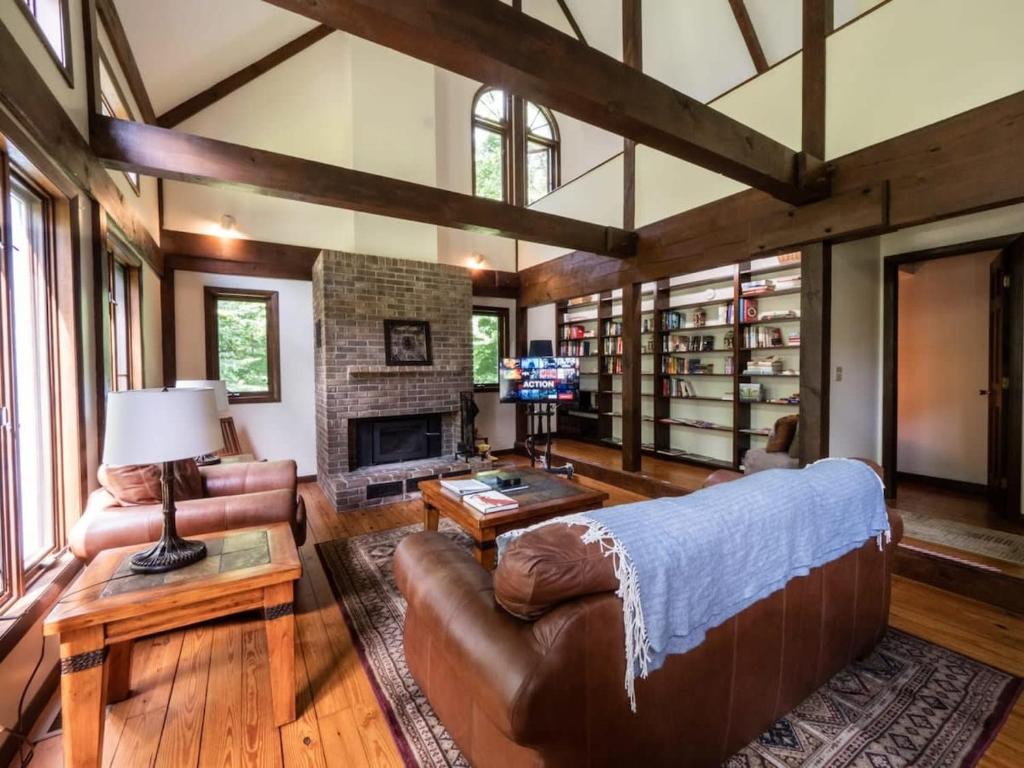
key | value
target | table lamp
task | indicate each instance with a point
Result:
(150, 426)
(220, 391)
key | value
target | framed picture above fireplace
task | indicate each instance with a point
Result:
(407, 342)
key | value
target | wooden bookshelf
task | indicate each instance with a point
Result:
(720, 426)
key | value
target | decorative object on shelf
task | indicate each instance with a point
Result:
(700, 317)
(751, 393)
(407, 342)
(220, 391)
(151, 426)
(541, 348)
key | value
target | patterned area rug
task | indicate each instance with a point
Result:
(969, 538)
(909, 703)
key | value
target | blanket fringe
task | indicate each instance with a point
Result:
(637, 641)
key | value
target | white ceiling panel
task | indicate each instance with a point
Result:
(779, 26)
(185, 46)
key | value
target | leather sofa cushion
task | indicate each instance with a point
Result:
(548, 566)
(134, 484)
(782, 435)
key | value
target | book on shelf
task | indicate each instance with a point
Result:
(766, 366)
(575, 349)
(580, 300)
(571, 332)
(793, 399)
(613, 346)
(677, 388)
(647, 325)
(781, 314)
(687, 365)
(612, 328)
(767, 287)
(490, 502)
(762, 336)
(465, 487)
(612, 365)
(677, 342)
(748, 310)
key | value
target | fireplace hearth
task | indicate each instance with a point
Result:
(393, 439)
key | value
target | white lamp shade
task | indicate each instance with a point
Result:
(220, 389)
(148, 426)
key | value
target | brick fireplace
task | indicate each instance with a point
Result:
(368, 412)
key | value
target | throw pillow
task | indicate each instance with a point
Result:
(782, 435)
(133, 484)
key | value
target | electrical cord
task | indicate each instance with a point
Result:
(18, 732)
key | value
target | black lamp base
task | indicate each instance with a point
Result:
(167, 555)
(172, 551)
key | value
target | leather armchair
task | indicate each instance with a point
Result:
(547, 689)
(234, 496)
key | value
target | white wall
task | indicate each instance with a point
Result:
(284, 430)
(855, 414)
(943, 357)
(497, 420)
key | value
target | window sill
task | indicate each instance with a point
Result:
(22, 614)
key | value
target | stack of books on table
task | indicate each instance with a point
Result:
(490, 502)
(480, 496)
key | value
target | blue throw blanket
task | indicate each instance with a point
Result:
(687, 564)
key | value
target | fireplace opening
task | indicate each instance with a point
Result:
(391, 439)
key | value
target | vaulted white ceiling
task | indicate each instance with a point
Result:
(185, 46)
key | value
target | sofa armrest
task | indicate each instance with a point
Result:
(451, 600)
(249, 477)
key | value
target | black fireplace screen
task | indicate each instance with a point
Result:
(392, 439)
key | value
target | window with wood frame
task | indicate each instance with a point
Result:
(490, 344)
(516, 148)
(124, 289)
(242, 343)
(114, 103)
(30, 527)
(50, 19)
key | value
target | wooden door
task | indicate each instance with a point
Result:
(1006, 338)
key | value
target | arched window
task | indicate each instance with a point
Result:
(515, 148)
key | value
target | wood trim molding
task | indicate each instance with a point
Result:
(24, 93)
(211, 294)
(963, 164)
(494, 283)
(236, 256)
(493, 43)
(180, 156)
(632, 56)
(111, 21)
(195, 104)
(739, 10)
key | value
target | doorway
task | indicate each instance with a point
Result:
(952, 393)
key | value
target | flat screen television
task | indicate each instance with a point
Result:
(539, 379)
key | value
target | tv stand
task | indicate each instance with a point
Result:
(538, 424)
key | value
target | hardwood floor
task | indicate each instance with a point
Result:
(201, 695)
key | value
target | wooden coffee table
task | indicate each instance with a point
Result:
(548, 496)
(107, 607)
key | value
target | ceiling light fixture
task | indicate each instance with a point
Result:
(227, 223)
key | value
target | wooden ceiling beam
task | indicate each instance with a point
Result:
(817, 24)
(236, 256)
(739, 10)
(490, 42)
(123, 52)
(186, 109)
(167, 154)
(572, 21)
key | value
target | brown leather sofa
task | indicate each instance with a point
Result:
(234, 496)
(544, 687)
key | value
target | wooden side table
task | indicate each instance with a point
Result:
(108, 606)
